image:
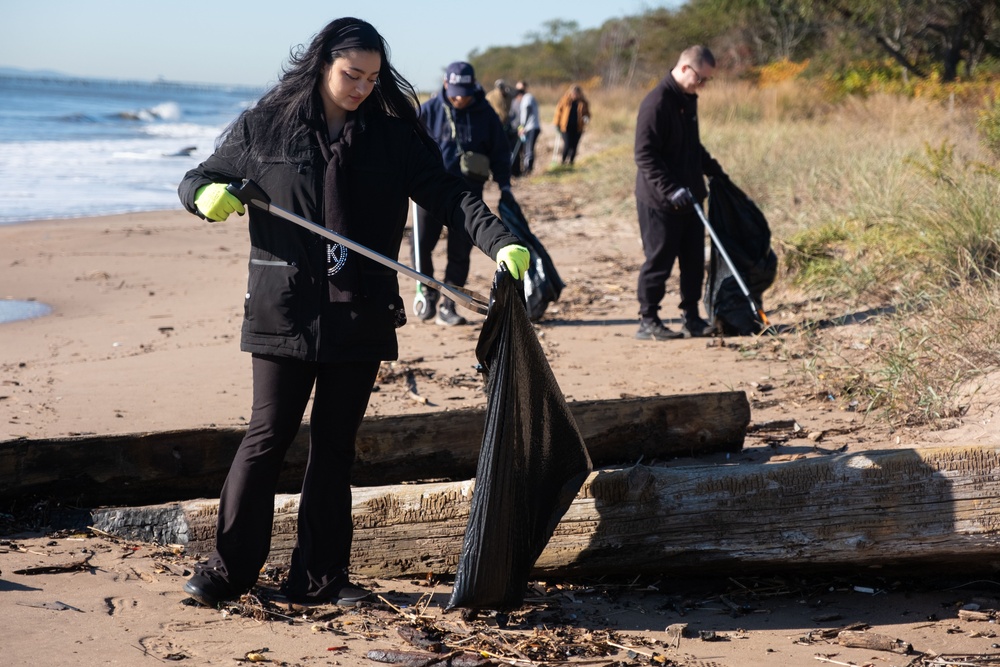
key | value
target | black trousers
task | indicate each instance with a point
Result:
(528, 151)
(571, 139)
(281, 390)
(667, 237)
(429, 226)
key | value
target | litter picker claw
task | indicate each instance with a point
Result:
(420, 300)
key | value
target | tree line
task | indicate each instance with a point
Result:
(950, 39)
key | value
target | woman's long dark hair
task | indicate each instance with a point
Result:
(294, 103)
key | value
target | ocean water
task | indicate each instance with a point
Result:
(82, 147)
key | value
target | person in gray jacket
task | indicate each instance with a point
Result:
(529, 125)
(337, 141)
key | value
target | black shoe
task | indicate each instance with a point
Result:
(447, 316)
(694, 326)
(345, 595)
(654, 329)
(428, 308)
(209, 591)
(349, 594)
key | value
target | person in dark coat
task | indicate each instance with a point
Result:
(460, 120)
(337, 141)
(671, 168)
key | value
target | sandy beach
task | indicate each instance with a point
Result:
(147, 308)
(144, 336)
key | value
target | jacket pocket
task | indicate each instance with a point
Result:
(270, 304)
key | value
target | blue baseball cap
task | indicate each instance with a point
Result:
(460, 80)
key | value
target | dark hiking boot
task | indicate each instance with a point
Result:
(447, 316)
(429, 307)
(654, 329)
(694, 326)
(209, 591)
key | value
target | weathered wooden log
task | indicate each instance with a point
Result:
(178, 465)
(983, 615)
(421, 659)
(906, 507)
(873, 641)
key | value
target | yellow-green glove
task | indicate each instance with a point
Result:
(516, 257)
(216, 203)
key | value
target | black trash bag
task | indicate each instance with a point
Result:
(532, 462)
(515, 156)
(744, 233)
(542, 284)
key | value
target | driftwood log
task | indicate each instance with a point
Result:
(179, 465)
(920, 507)
(873, 641)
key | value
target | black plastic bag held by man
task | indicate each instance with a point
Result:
(744, 233)
(542, 284)
(532, 462)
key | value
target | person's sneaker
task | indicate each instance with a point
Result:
(694, 326)
(447, 316)
(208, 590)
(350, 594)
(654, 329)
(429, 308)
(346, 595)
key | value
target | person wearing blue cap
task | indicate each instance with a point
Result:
(473, 146)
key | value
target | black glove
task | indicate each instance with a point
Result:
(681, 198)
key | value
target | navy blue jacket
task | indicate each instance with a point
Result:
(477, 129)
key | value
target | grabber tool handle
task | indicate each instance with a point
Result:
(250, 193)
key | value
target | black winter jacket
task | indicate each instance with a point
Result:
(287, 311)
(668, 150)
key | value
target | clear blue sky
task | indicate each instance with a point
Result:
(246, 42)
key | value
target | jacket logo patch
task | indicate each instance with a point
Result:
(336, 256)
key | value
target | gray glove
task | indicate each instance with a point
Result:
(681, 198)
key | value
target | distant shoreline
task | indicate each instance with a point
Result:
(14, 73)
(84, 216)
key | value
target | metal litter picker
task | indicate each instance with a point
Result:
(420, 300)
(736, 274)
(250, 193)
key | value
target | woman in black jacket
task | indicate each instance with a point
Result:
(337, 141)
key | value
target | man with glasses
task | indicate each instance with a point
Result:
(672, 165)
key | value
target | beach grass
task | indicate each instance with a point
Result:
(884, 204)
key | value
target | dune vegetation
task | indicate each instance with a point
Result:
(868, 132)
(879, 204)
